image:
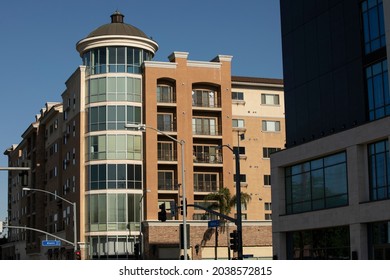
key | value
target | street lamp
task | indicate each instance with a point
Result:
(74, 212)
(238, 200)
(143, 127)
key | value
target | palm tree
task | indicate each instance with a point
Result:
(223, 202)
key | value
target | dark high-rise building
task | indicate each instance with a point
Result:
(331, 186)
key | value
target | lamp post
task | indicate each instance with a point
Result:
(238, 200)
(74, 212)
(143, 127)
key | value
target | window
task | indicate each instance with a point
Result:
(205, 182)
(114, 147)
(378, 90)
(238, 123)
(319, 244)
(113, 117)
(113, 212)
(205, 126)
(115, 59)
(237, 96)
(206, 154)
(379, 170)
(165, 122)
(373, 25)
(267, 151)
(379, 240)
(317, 184)
(269, 99)
(267, 206)
(165, 94)
(204, 98)
(115, 176)
(165, 151)
(241, 150)
(271, 126)
(166, 180)
(267, 180)
(242, 178)
(114, 89)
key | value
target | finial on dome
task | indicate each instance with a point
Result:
(117, 17)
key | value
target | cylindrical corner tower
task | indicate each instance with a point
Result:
(113, 55)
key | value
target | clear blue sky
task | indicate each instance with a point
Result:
(38, 41)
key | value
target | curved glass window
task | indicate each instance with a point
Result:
(114, 89)
(113, 212)
(115, 176)
(115, 59)
(121, 146)
(112, 117)
(112, 246)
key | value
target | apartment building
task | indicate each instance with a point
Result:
(92, 153)
(331, 185)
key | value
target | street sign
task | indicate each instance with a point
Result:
(213, 223)
(51, 243)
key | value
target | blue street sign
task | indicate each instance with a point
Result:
(213, 223)
(51, 243)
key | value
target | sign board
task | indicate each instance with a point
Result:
(213, 223)
(51, 243)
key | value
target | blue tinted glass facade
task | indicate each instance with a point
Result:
(378, 90)
(373, 25)
(317, 184)
(379, 170)
(319, 244)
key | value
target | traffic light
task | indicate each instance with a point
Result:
(136, 250)
(162, 215)
(173, 208)
(181, 208)
(78, 255)
(234, 241)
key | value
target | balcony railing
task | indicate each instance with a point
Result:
(206, 104)
(167, 185)
(210, 186)
(212, 130)
(166, 155)
(167, 126)
(165, 98)
(207, 158)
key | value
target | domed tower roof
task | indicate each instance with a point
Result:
(117, 27)
(116, 33)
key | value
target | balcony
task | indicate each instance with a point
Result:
(212, 130)
(206, 99)
(167, 185)
(166, 126)
(202, 157)
(166, 155)
(207, 186)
